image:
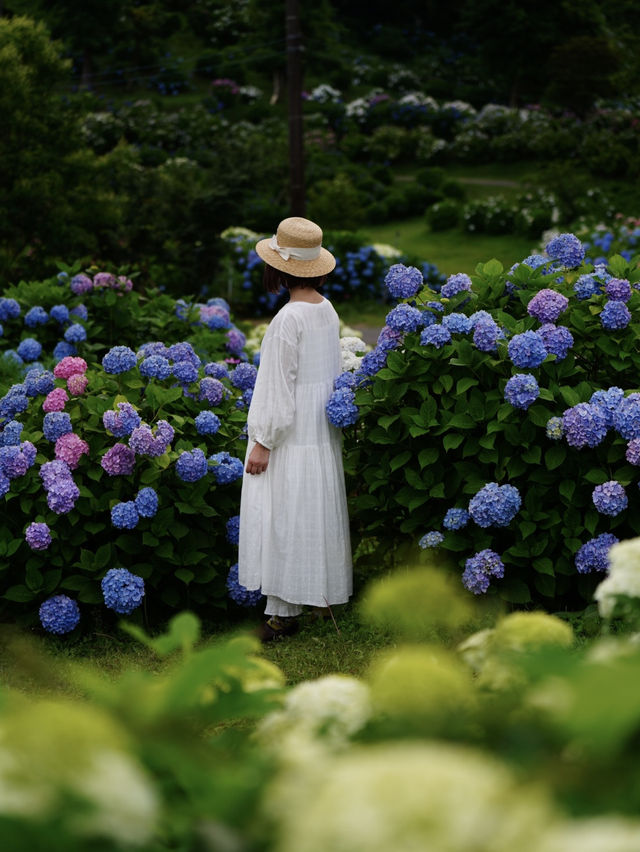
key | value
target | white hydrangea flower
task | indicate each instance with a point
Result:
(385, 250)
(353, 344)
(624, 576)
(599, 834)
(350, 362)
(324, 93)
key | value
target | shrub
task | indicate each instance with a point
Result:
(443, 216)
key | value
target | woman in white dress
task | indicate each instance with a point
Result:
(294, 528)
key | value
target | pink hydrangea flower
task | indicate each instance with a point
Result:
(69, 366)
(104, 279)
(55, 400)
(124, 283)
(77, 384)
(69, 449)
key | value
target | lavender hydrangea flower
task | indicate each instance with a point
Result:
(610, 498)
(62, 495)
(486, 335)
(594, 554)
(81, 284)
(123, 421)
(626, 417)
(389, 338)
(207, 423)
(479, 569)
(433, 538)
(233, 529)
(404, 318)
(557, 340)
(555, 428)
(76, 333)
(104, 279)
(119, 359)
(191, 465)
(211, 390)
(547, 305)
(235, 341)
(457, 323)
(15, 461)
(154, 347)
(455, 519)
(618, 289)
(527, 349)
(56, 424)
(238, 593)
(59, 614)
(521, 390)
(244, 376)
(341, 408)
(38, 536)
(146, 502)
(403, 282)
(124, 516)
(615, 315)
(567, 249)
(455, 284)
(5, 484)
(53, 471)
(584, 425)
(119, 460)
(183, 351)
(29, 349)
(435, 335)
(145, 443)
(225, 468)
(609, 401)
(155, 367)
(36, 316)
(632, 453)
(495, 505)
(122, 590)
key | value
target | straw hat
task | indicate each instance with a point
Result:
(296, 248)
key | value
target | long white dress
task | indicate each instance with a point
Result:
(294, 527)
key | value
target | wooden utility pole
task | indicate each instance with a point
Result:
(294, 82)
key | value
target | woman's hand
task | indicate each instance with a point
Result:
(258, 459)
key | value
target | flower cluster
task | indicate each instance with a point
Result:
(59, 614)
(609, 401)
(82, 283)
(547, 305)
(119, 460)
(557, 339)
(69, 366)
(55, 400)
(594, 554)
(615, 315)
(146, 502)
(225, 468)
(15, 461)
(527, 349)
(244, 376)
(38, 536)
(455, 284)
(495, 505)
(433, 538)
(486, 333)
(555, 428)
(341, 408)
(567, 249)
(212, 390)
(403, 282)
(121, 422)
(122, 590)
(618, 289)
(584, 425)
(56, 424)
(626, 417)
(238, 593)
(521, 390)
(191, 465)
(435, 335)
(70, 448)
(404, 318)
(119, 359)
(610, 498)
(479, 569)
(144, 442)
(457, 323)
(62, 492)
(124, 516)
(455, 519)
(29, 349)
(233, 529)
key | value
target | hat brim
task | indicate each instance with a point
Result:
(321, 265)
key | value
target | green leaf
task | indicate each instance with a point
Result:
(514, 591)
(596, 475)
(102, 557)
(452, 440)
(526, 528)
(493, 268)
(185, 575)
(462, 421)
(149, 539)
(428, 456)
(554, 456)
(464, 385)
(543, 565)
(19, 594)
(399, 460)
(567, 488)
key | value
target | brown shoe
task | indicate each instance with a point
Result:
(277, 627)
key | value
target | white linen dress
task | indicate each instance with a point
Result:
(294, 528)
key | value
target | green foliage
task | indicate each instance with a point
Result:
(443, 215)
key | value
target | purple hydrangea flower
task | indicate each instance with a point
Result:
(521, 390)
(235, 341)
(615, 315)
(81, 284)
(632, 453)
(389, 339)
(155, 367)
(547, 305)
(479, 569)
(53, 471)
(403, 282)
(207, 423)
(225, 468)
(455, 284)
(5, 484)
(59, 614)
(29, 349)
(211, 390)
(626, 417)
(618, 289)
(433, 538)
(146, 502)
(62, 495)
(233, 529)
(120, 460)
(495, 505)
(238, 593)
(404, 318)
(76, 333)
(123, 421)
(557, 339)
(144, 443)
(122, 590)
(119, 359)
(38, 536)
(609, 401)
(56, 424)
(527, 349)
(244, 376)
(435, 335)
(610, 498)
(15, 461)
(183, 351)
(584, 425)
(341, 408)
(104, 279)
(594, 554)
(486, 335)
(124, 516)
(191, 465)
(455, 519)
(567, 249)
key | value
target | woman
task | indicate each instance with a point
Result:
(294, 528)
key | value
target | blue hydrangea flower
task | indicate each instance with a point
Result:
(244, 376)
(433, 538)
(455, 519)
(584, 425)
(123, 421)
(495, 505)
(594, 554)
(59, 614)
(618, 289)
(345, 380)
(119, 359)
(185, 371)
(216, 371)
(233, 529)
(122, 590)
(615, 315)
(438, 307)
(212, 390)
(207, 423)
(404, 318)
(435, 335)
(341, 408)
(587, 286)
(479, 569)
(9, 309)
(610, 498)
(238, 593)
(557, 339)
(62, 349)
(146, 502)
(124, 516)
(535, 261)
(56, 424)
(59, 313)
(527, 349)
(626, 417)
(155, 367)
(154, 347)
(36, 316)
(373, 361)
(609, 401)
(388, 339)
(38, 381)
(521, 390)
(191, 466)
(486, 335)
(182, 351)
(481, 316)
(29, 349)
(10, 434)
(80, 311)
(14, 402)
(76, 333)
(567, 249)
(5, 484)
(555, 428)
(403, 282)
(457, 323)
(225, 468)
(455, 284)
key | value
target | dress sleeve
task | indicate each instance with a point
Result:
(273, 406)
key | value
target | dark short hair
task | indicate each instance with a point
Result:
(274, 279)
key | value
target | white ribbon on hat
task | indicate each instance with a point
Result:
(295, 253)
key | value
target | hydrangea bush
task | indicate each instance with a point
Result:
(516, 433)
